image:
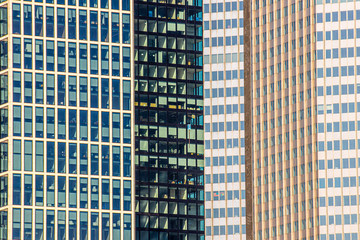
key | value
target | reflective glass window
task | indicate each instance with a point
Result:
(61, 188)
(83, 158)
(17, 87)
(94, 226)
(115, 61)
(72, 91)
(116, 226)
(61, 157)
(127, 195)
(50, 22)
(61, 56)
(94, 193)
(60, 22)
(72, 124)
(72, 226)
(105, 231)
(126, 95)
(115, 26)
(116, 165)
(94, 160)
(83, 193)
(17, 121)
(93, 25)
(50, 191)
(39, 55)
(28, 87)
(17, 53)
(105, 160)
(61, 221)
(39, 224)
(27, 19)
(39, 21)
(72, 158)
(127, 128)
(72, 24)
(72, 57)
(83, 125)
(17, 189)
(126, 28)
(84, 225)
(50, 89)
(50, 59)
(105, 60)
(116, 127)
(105, 124)
(16, 223)
(83, 58)
(28, 190)
(16, 19)
(72, 192)
(105, 188)
(83, 23)
(83, 92)
(116, 194)
(94, 56)
(50, 122)
(39, 85)
(28, 155)
(94, 126)
(50, 158)
(28, 121)
(104, 25)
(27, 53)
(39, 156)
(126, 62)
(61, 123)
(39, 190)
(50, 224)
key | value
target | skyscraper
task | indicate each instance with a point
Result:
(66, 120)
(169, 120)
(303, 92)
(224, 120)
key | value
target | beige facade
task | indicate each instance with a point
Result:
(283, 121)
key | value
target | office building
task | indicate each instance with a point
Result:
(305, 119)
(224, 120)
(66, 120)
(169, 120)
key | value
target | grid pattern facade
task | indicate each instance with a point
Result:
(337, 51)
(169, 120)
(224, 120)
(66, 120)
(284, 120)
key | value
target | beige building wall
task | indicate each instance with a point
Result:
(284, 123)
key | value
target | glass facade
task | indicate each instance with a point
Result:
(66, 142)
(169, 141)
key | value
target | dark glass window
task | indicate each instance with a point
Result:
(39, 22)
(83, 24)
(49, 21)
(72, 24)
(27, 20)
(104, 26)
(61, 22)
(61, 158)
(72, 57)
(115, 26)
(93, 26)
